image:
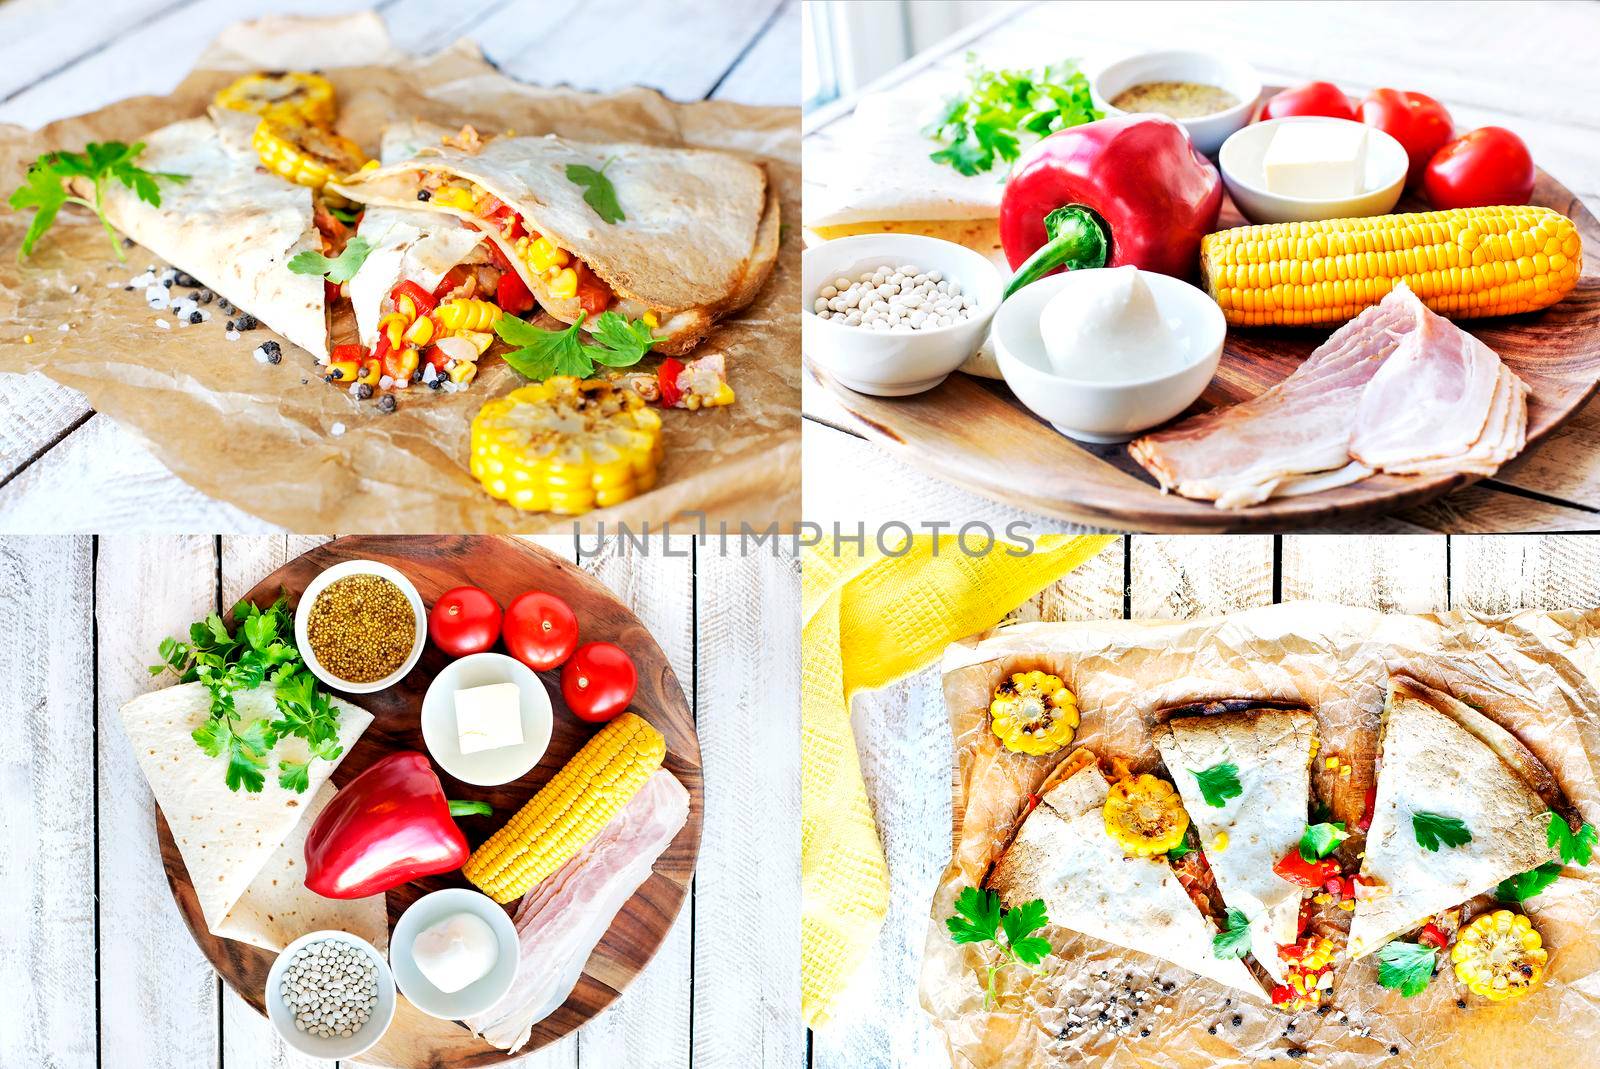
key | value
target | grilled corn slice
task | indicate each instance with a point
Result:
(306, 155)
(1499, 956)
(1145, 815)
(1032, 712)
(291, 95)
(566, 446)
(1463, 262)
(467, 314)
(567, 812)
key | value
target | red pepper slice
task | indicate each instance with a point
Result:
(342, 353)
(381, 350)
(1365, 823)
(1432, 936)
(436, 357)
(1283, 993)
(497, 257)
(419, 296)
(330, 291)
(1297, 870)
(667, 379)
(512, 294)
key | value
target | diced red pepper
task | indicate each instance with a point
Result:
(490, 206)
(330, 290)
(667, 379)
(341, 353)
(1432, 936)
(593, 294)
(452, 278)
(512, 294)
(1297, 870)
(381, 350)
(1292, 951)
(419, 296)
(1283, 993)
(497, 257)
(1365, 822)
(436, 357)
(1033, 803)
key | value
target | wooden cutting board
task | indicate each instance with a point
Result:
(505, 569)
(974, 433)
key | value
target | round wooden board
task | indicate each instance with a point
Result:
(974, 433)
(505, 569)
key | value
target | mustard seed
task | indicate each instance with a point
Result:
(361, 628)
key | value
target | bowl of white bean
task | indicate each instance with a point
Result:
(895, 314)
(330, 994)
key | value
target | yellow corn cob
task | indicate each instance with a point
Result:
(566, 446)
(567, 812)
(467, 314)
(1499, 956)
(1463, 262)
(292, 95)
(306, 155)
(564, 284)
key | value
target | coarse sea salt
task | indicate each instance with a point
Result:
(232, 335)
(163, 324)
(337, 429)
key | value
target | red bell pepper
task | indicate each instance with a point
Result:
(388, 826)
(512, 294)
(667, 381)
(344, 353)
(1128, 190)
(1312, 874)
(593, 294)
(452, 278)
(419, 296)
(1431, 935)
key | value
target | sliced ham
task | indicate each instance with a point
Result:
(562, 919)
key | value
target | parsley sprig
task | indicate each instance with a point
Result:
(339, 269)
(979, 919)
(1433, 828)
(45, 187)
(598, 192)
(1573, 847)
(1406, 966)
(1234, 939)
(542, 353)
(985, 124)
(1218, 783)
(259, 651)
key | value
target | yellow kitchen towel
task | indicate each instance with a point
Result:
(868, 619)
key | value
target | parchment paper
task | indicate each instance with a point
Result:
(259, 436)
(1533, 672)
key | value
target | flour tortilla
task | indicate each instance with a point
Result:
(236, 844)
(1272, 748)
(230, 225)
(1439, 755)
(1063, 855)
(699, 237)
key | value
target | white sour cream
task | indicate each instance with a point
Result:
(1106, 327)
(456, 951)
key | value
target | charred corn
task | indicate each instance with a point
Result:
(292, 95)
(304, 154)
(1145, 815)
(467, 314)
(567, 812)
(1463, 262)
(1499, 956)
(1032, 712)
(566, 446)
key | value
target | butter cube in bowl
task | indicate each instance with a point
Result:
(1310, 167)
(486, 719)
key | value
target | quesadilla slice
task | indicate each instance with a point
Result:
(676, 237)
(1063, 854)
(1270, 752)
(1460, 806)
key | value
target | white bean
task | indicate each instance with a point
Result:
(898, 298)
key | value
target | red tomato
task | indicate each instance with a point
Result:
(1419, 122)
(540, 629)
(464, 620)
(599, 681)
(1491, 165)
(1313, 98)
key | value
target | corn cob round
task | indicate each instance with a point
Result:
(304, 154)
(1462, 263)
(467, 314)
(291, 95)
(567, 812)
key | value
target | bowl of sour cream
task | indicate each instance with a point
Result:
(454, 953)
(1104, 354)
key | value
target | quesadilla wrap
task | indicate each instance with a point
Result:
(696, 238)
(1440, 758)
(231, 225)
(1272, 750)
(244, 851)
(1062, 854)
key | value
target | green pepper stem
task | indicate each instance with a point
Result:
(1077, 240)
(469, 809)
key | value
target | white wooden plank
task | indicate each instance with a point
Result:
(1179, 577)
(159, 1007)
(423, 27)
(48, 920)
(1497, 574)
(769, 72)
(34, 412)
(1390, 573)
(747, 892)
(44, 35)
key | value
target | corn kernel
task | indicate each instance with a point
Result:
(650, 320)
(421, 332)
(463, 371)
(1220, 843)
(565, 284)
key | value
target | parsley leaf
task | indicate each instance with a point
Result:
(1218, 783)
(542, 353)
(979, 919)
(340, 269)
(1180, 850)
(627, 341)
(1320, 840)
(1573, 847)
(1432, 828)
(983, 126)
(598, 192)
(1525, 885)
(977, 916)
(44, 189)
(1234, 940)
(1407, 966)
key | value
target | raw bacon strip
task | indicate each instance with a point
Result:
(562, 919)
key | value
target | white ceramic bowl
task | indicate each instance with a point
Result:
(477, 996)
(1240, 163)
(1207, 132)
(302, 615)
(487, 767)
(1105, 411)
(333, 1046)
(888, 363)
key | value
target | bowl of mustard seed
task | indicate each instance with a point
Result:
(360, 626)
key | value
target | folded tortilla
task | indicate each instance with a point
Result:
(1439, 755)
(1272, 749)
(699, 237)
(244, 851)
(231, 225)
(1063, 855)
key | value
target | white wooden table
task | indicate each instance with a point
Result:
(96, 965)
(65, 468)
(1489, 63)
(904, 734)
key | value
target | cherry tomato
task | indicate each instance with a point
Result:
(1491, 165)
(1313, 98)
(464, 620)
(1420, 123)
(540, 630)
(599, 681)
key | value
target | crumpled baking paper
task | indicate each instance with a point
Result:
(1536, 673)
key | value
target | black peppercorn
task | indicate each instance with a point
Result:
(1211, 1031)
(423, 194)
(364, 390)
(195, 316)
(273, 352)
(246, 321)
(1144, 1032)
(1296, 1052)
(1394, 1050)
(387, 403)
(1237, 1020)
(1461, 1003)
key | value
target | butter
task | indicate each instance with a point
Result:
(489, 717)
(1317, 160)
